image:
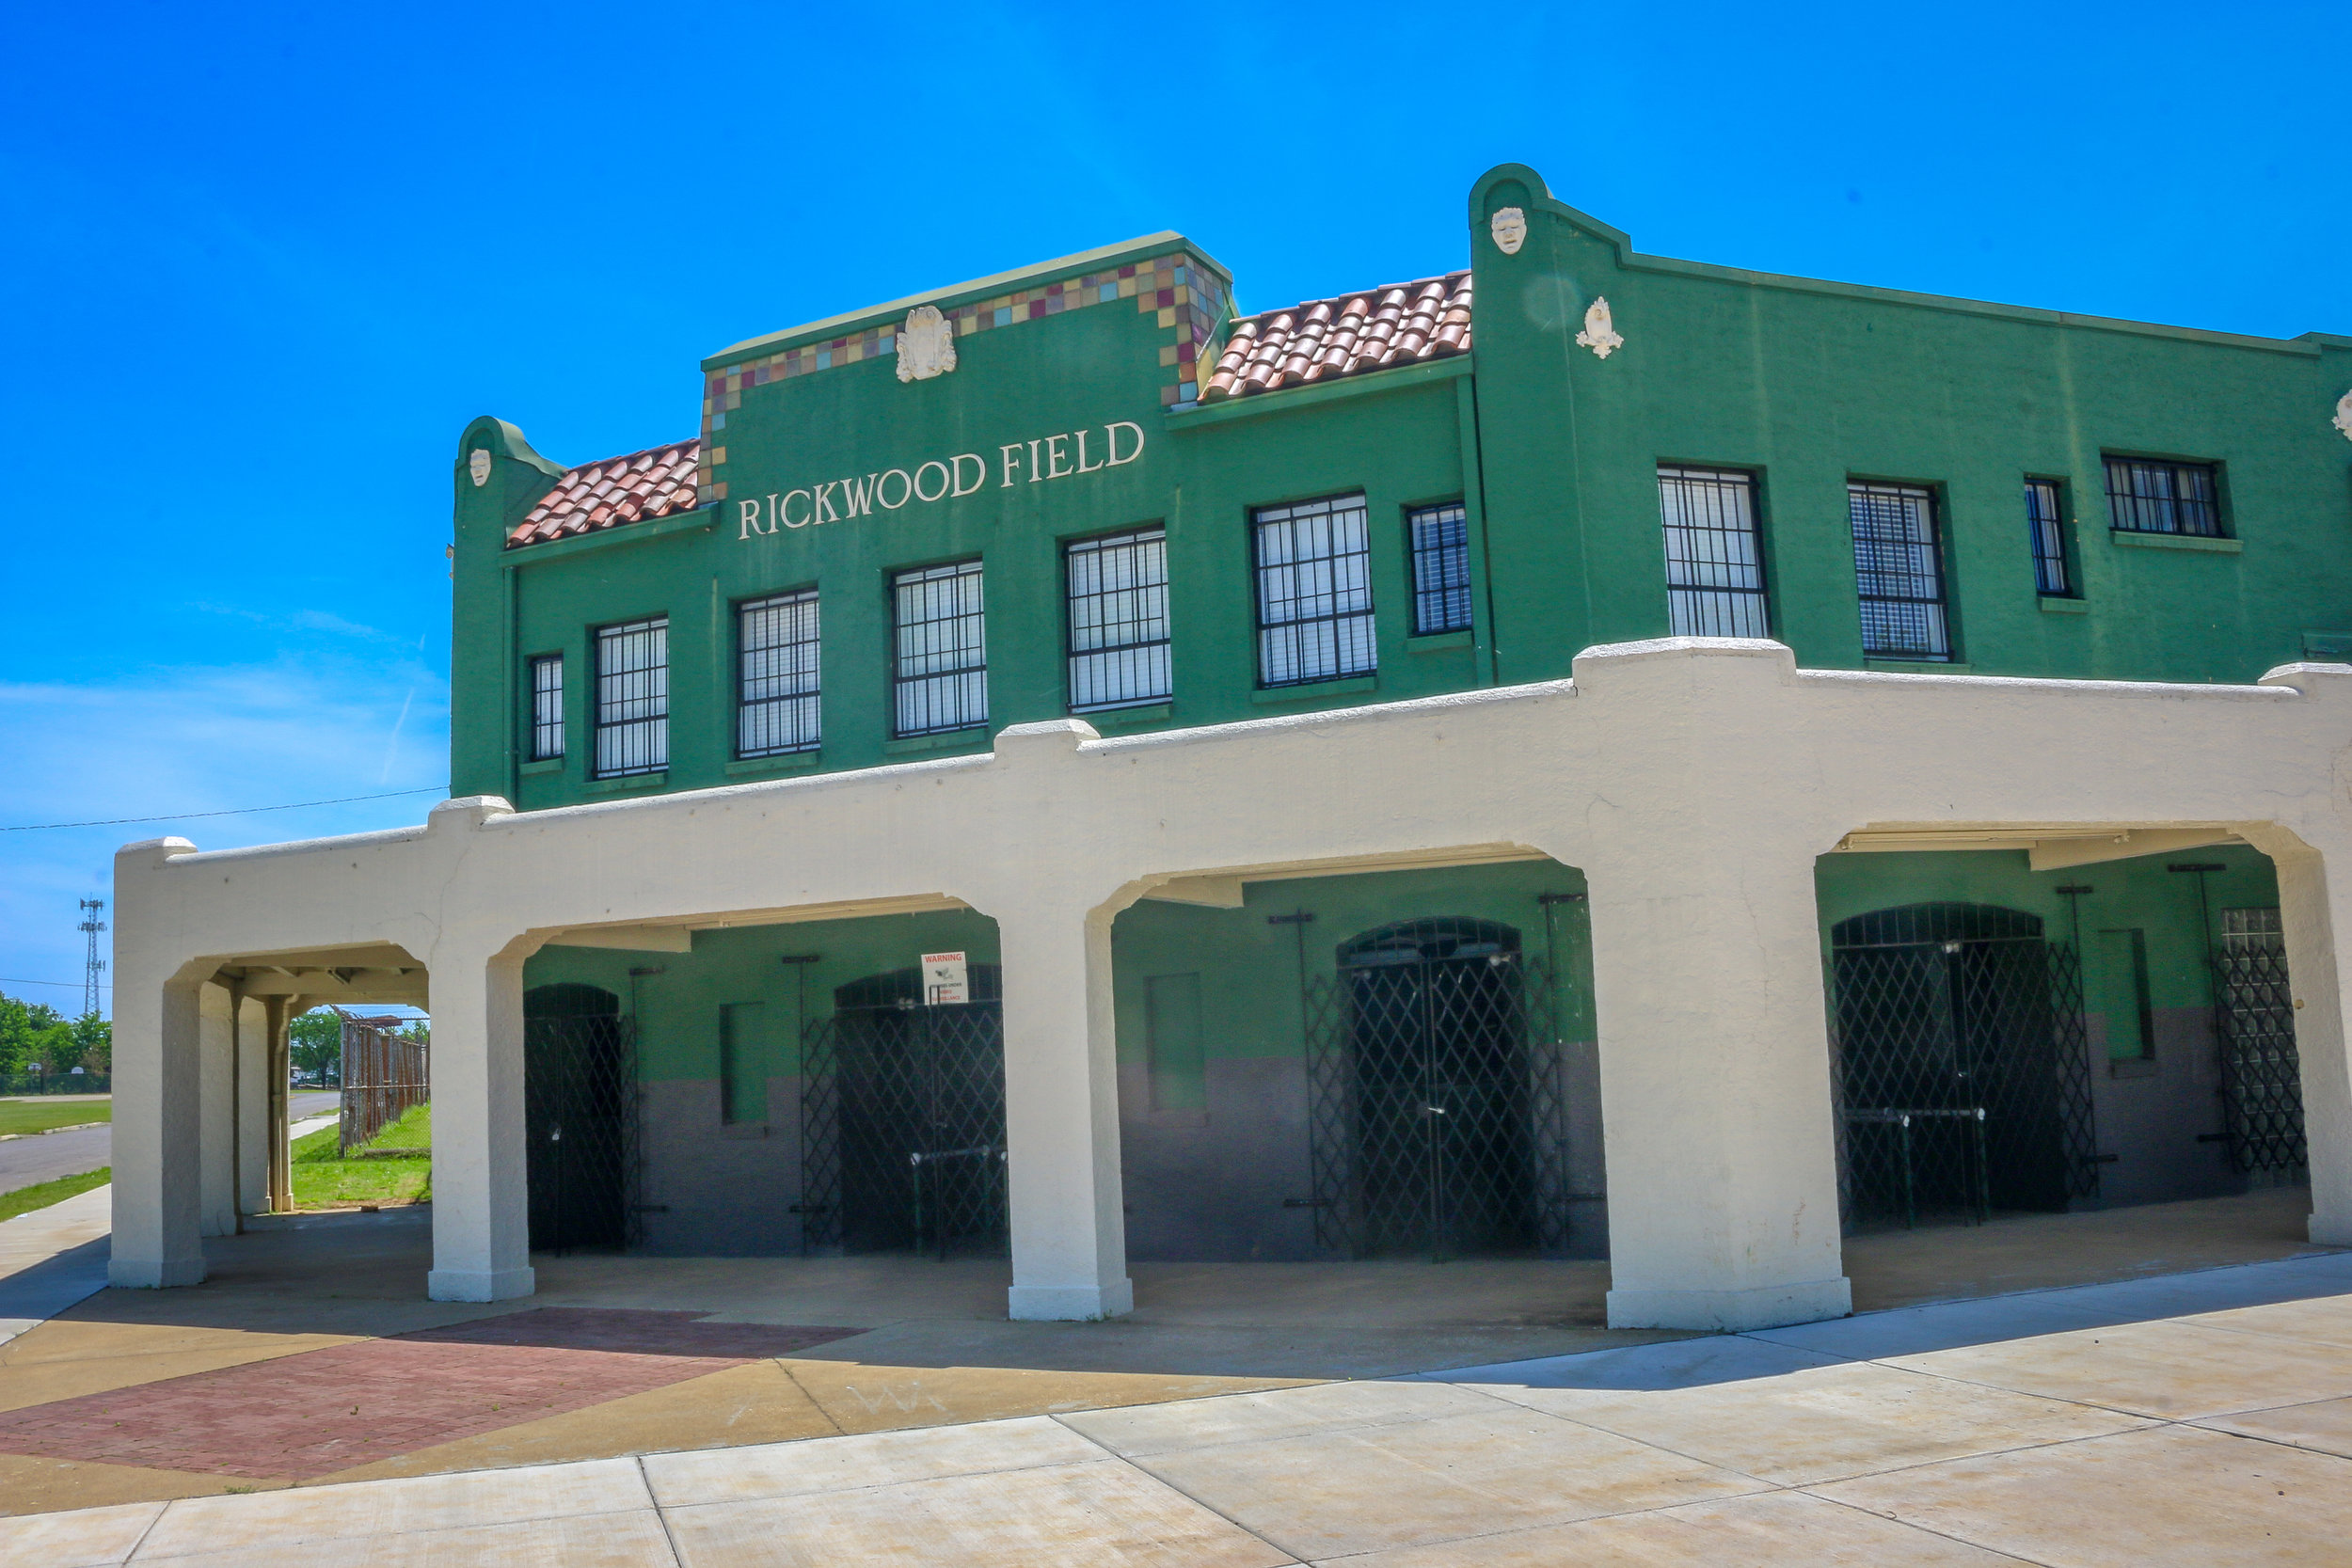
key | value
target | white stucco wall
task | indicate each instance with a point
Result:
(1695, 782)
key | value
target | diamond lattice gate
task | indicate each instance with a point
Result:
(903, 1120)
(1963, 1067)
(1436, 1118)
(580, 1119)
(2262, 1076)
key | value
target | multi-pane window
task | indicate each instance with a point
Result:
(2145, 496)
(1714, 561)
(2046, 529)
(1314, 591)
(777, 708)
(547, 707)
(1442, 589)
(939, 658)
(633, 698)
(1118, 620)
(1898, 572)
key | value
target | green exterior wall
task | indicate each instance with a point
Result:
(1552, 450)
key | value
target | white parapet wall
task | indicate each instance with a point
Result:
(1695, 781)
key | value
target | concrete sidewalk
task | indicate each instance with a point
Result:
(2194, 1419)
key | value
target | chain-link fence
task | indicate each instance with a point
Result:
(385, 1073)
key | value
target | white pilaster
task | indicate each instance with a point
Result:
(1061, 1115)
(2315, 909)
(481, 1200)
(158, 1091)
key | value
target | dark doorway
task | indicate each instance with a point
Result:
(1438, 1110)
(1962, 1069)
(904, 1120)
(580, 1101)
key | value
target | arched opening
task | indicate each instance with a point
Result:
(1963, 1076)
(580, 1115)
(1437, 1108)
(903, 1118)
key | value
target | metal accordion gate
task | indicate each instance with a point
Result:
(1436, 1112)
(903, 1120)
(1962, 1067)
(2261, 1075)
(580, 1119)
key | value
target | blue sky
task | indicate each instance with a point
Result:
(262, 263)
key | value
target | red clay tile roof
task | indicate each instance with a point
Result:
(634, 488)
(1404, 323)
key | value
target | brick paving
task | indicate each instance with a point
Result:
(308, 1415)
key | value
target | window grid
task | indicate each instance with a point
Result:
(1439, 537)
(547, 707)
(2148, 497)
(939, 667)
(2045, 527)
(1715, 559)
(633, 698)
(1118, 589)
(1314, 591)
(1898, 572)
(780, 699)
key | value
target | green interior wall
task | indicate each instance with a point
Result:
(2130, 894)
(678, 1009)
(1249, 970)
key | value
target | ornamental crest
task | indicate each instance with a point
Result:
(2344, 416)
(1509, 228)
(479, 466)
(1600, 334)
(927, 345)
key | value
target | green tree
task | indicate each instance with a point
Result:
(34, 1032)
(94, 1043)
(315, 1041)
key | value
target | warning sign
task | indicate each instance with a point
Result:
(945, 981)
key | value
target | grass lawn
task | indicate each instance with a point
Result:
(402, 1174)
(40, 1114)
(42, 1195)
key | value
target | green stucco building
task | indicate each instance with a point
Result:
(1097, 488)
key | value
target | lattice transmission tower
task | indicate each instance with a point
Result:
(91, 925)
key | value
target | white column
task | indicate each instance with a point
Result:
(1061, 1115)
(217, 1027)
(250, 1137)
(2315, 909)
(157, 1115)
(1714, 1067)
(481, 1198)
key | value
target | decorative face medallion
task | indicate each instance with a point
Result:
(2343, 420)
(479, 466)
(1600, 334)
(927, 345)
(1509, 228)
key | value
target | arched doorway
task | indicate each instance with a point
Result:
(1437, 1114)
(580, 1116)
(903, 1118)
(1963, 1070)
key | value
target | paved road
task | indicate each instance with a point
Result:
(46, 1157)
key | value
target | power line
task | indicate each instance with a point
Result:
(62, 985)
(232, 810)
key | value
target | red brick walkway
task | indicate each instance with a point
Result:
(307, 1415)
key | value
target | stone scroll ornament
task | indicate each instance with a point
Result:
(927, 345)
(2343, 420)
(1509, 228)
(1600, 334)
